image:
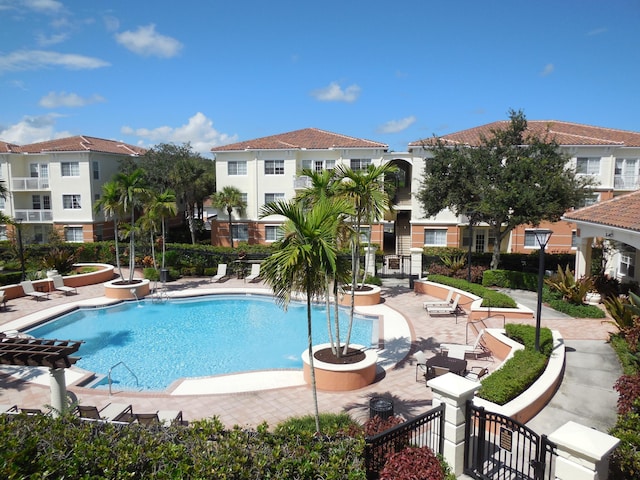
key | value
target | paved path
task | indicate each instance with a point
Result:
(249, 409)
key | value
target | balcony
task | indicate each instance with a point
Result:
(21, 184)
(626, 182)
(34, 216)
(302, 182)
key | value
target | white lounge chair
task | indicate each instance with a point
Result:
(27, 288)
(255, 272)
(478, 349)
(476, 373)
(439, 303)
(451, 309)
(58, 284)
(3, 300)
(222, 272)
(421, 364)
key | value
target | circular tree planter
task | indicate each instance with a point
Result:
(123, 290)
(341, 377)
(365, 295)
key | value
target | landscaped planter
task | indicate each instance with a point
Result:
(124, 291)
(369, 295)
(341, 377)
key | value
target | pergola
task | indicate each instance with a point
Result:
(41, 352)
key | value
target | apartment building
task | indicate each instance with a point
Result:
(268, 168)
(54, 184)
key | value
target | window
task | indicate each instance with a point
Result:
(318, 165)
(71, 202)
(38, 234)
(272, 233)
(626, 173)
(73, 234)
(274, 167)
(588, 165)
(3, 232)
(237, 168)
(95, 166)
(574, 239)
(589, 200)
(36, 203)
(46, 202)
(39, 170)
(70, 169)
(240, 232)
(628, 263)
(480, 242)
(360, 163)
(2, 203)
(435, 236)
(530, 240)
(273, 197)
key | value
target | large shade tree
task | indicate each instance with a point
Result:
(512, 177)
(228, 199)
(306, 252)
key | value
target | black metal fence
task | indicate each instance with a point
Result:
(427, 430)
(496, 446)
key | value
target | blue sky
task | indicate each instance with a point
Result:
(215, 72)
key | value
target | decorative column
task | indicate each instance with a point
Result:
(370, 261)
(454, 391)
(416, 262)
(583, 453)
(58, 386)
(583, 256)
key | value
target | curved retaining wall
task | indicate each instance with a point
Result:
(340, 378)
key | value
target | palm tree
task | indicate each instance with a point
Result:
(305, 253)
(228, 199)
(365, 190)
(109, 204)
(164, 205)
(132, 191)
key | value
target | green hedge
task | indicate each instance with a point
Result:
(489, 297)
(510, 279)
(555, 301)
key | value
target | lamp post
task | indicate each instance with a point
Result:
(470, 215)
(542, 237)
(20, 248)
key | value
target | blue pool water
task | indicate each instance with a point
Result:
(203, 336)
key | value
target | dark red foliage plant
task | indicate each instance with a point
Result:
(628, 388)
(413, 463)
(377, 425)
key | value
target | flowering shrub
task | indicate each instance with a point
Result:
(413, 463)
(628, 388)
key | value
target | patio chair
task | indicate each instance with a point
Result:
(113, 412)
(255, 272)
(421, 364)
(3, 300)
(477, 350)
(147, 419)
(438, 371)
(58, 284)
(171, 417)
(439, 303)
(28, 289)
(458, 353)
(452, 309)
(222, 273)
(476, 373)
(8, 409)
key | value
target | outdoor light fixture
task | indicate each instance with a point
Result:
(542, 237)
(18, 222)
(470, 217)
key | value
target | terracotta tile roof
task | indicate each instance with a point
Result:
(622, 212)
(565, 133)
(80, 143)
(8, 147)
(307, 138)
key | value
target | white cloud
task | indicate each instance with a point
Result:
(37, 59)
(335, 93)
(547, 70)
(198, 131)
(147, 42)
(597, 31)
(395, 126)
(44, 6)
(51, 40)
(31, 130)
(64, 99)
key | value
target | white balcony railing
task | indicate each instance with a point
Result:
(34, 216)
(302, 182)
(626, 182)
(29, 183)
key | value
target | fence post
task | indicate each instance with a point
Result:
(583, 453)
(454, 391)
(416, 262)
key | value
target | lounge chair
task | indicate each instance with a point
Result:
(8, 409)
(255, 272)
(451, 309)
(3, 300)
(421, 364)
(114, 412)
(439, 303)
(222, 273)
(477, 350)
(171, 417)
(476, 373)
(147, 419)
(58, 284)
(28, 289)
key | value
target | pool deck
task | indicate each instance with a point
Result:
(248, 399)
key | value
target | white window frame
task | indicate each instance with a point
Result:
(358, 164)
(272, 233)
(436, 232)
(70, 169)
(240, 232)
(591, 167)
(72, 201)
(237, 168)
(273, 197)
(71, 234)
(95, 170)
(274, 167)
(574, 239)
(627, 263)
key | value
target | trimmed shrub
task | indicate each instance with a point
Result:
(489, 297)
(510, 279)
(413, 463)
(555, 301)
(526, 335)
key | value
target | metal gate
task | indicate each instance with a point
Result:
(398, 266)
(498, 447)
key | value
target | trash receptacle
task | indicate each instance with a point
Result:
(383, 407)
(412, 279)
(164, 275)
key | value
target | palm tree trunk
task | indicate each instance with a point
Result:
(336, 316)
(312, 370)
(163, 242)
(115, 229)
(230, 226)
(132, 248)
(327, 305)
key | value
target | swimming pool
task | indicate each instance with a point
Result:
(195, 337)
